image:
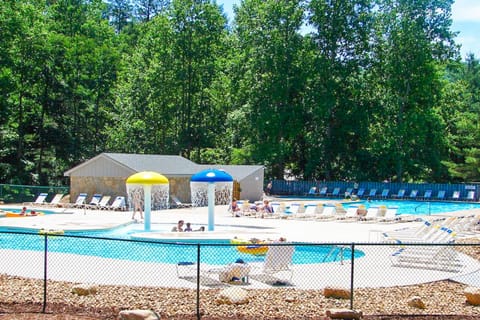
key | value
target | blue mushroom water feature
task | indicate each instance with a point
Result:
(212, 178)
(147, 180)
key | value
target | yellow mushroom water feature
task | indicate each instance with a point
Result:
(146, 180)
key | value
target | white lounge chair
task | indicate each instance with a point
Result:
(390, 215)
(291, 211)
(40, 200)
(372, 214)
(103, 203)
(328, 212)
(179, 204)
(442, 258)
(93, 204)
(118, 204)
(277, 265)
(80, 202)
(55, 202)
(309, 213)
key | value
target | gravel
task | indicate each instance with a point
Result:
(22, 298)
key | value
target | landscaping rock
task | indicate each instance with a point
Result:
(473, 295)
(338, 293)
(138, 315)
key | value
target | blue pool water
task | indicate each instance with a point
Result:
(420, 207)
(216, 252)
(28, 210)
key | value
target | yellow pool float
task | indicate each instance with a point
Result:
(51, 232)
(252, 246)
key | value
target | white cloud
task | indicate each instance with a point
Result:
(466, 10)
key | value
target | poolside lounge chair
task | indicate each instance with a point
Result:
(237, 272)
(385, 193)
(323, 192)
(372, 214)
(373, 193)
(93, 204)
(179, 204)
(80, 202)
(442, 258)
(55, 202)
(278, 261)
(312, 191)
(103, 203)
(278, 207)
(427, 194)
(40, 199)
(456, 195)
(413, 194)
(400, 194)
(310, 211)
(390, 214)
(351, 213)
(441, 195)
(360, 192)
(348, 192)
(118, 204)
(470, 196)
(290, 211)
(335, 193)
(327, 212)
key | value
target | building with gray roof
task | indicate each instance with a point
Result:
(107, 172)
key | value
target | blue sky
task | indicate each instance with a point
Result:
(465, 16)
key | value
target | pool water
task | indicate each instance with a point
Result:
(14, 210)
(215, 252)
(419, 207)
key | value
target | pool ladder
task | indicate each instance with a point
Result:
(421, 205)
(335, 252)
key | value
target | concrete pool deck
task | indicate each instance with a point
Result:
(373, 270)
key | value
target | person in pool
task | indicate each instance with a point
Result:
(179, 226)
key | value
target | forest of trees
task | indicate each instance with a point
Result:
(318, 89)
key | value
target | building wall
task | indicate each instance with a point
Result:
(116, 186)
(113, 186)
(252, 186)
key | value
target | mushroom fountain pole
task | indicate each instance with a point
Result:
(146, 179)
(211, 206)
(211, 177)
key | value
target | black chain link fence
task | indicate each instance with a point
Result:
(281, 278)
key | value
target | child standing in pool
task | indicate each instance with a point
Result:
(137, 206)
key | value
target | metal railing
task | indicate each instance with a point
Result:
(40, 269)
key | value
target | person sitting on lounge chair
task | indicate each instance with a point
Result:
(235, 209)
(266, 208)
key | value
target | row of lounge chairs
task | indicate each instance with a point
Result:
(97, 202)
(435, 256)
(385, 194)
(322, 211)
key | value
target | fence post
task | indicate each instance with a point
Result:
(45, 272)
(198, 281)
(352, 270)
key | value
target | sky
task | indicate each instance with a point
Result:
(465, 17)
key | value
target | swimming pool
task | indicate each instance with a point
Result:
(419, 207)
(18, 210)
(215, 252)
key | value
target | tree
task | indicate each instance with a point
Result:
(412, 40)
(272, 81)
(339, 110)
